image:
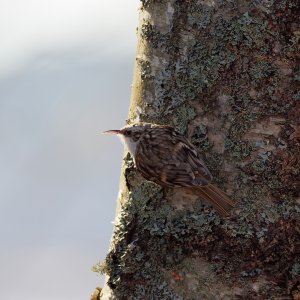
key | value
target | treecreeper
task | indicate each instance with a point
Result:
(166, 157)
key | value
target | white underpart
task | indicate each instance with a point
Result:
(130, 145)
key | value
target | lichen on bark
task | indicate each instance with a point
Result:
(225, 73)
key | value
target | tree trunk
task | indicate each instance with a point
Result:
(226, 74)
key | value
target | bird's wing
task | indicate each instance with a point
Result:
(169, 159)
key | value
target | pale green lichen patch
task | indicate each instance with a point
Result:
(184, 115)
(238, 149)
(151, 34)
(260, 71)
(296, 95)
(147, 3)
(296, 269)
(146, 70)
(199, 16)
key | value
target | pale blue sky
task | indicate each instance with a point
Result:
(65, 73)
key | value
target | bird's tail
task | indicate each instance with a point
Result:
(217, 198)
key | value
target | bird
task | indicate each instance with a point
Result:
(163, 155)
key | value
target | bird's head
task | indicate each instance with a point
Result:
(131, 132)
(130, 135)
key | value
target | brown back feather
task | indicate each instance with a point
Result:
(169, 159)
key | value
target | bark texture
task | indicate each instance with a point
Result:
(227, 74)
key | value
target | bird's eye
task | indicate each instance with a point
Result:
(128, 132)
(136, 136)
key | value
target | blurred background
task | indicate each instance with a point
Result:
(65, 73)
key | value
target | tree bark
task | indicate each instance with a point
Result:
(226, 74)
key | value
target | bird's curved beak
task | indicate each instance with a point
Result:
(114, 131)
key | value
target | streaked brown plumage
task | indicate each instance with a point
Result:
(166, 157)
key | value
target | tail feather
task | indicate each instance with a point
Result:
(217, 198)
